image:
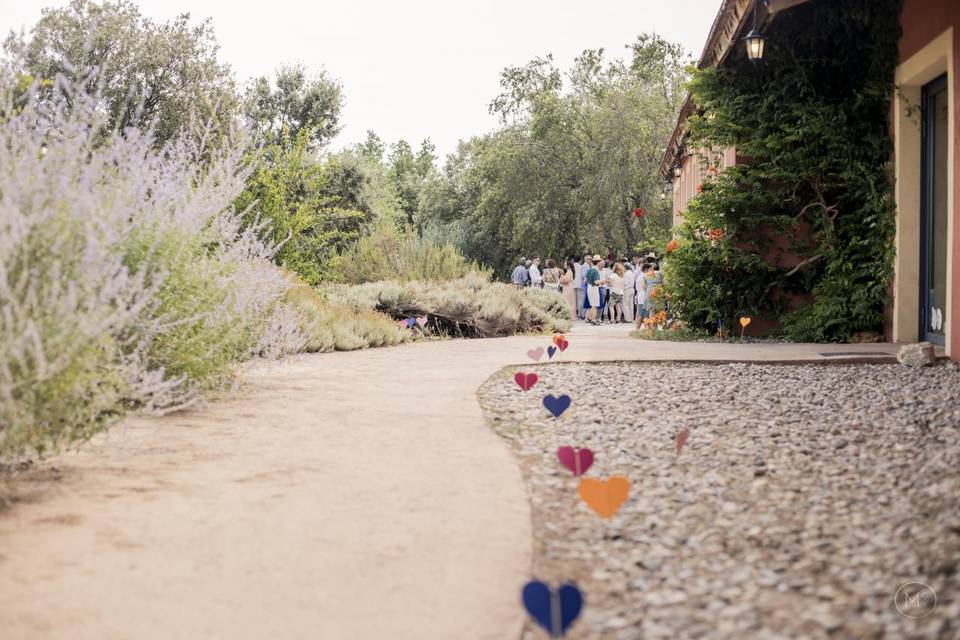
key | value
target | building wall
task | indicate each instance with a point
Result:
(929, 46)
(695, 168)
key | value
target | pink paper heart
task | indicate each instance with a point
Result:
(577, 460)
(535, 354)
(422, 321)
(525, 380)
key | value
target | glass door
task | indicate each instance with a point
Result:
(933, 211)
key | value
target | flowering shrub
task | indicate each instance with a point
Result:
(125, 278)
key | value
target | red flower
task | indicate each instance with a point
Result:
(699, 188)
(672, 246)
(638, 212)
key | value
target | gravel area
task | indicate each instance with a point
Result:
(804, 498)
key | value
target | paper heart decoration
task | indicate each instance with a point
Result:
(744, 321)
(557, 337)
(550, 351)
(525, 380)
(556, 610)
(411, 322)
(422, 321)
(402, 324)
(682, 439)
(535, 354)
(605, 496)
(556, 405)
(577, 460)
(638, 212)
(562, 344)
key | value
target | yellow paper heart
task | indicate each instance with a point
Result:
(744, 321)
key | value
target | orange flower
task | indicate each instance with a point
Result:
(672, 246)
(654, 293)
(716, 233)
(699, 188)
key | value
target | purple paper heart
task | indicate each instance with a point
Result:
(556, 405)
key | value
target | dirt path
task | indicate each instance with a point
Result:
(349, 495)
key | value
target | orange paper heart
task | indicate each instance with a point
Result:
(605, 496)
(557, 337)
(744, 321)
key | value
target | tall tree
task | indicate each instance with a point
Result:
(577, 153)
(160, 74)
(296, 100)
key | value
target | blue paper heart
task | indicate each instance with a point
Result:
(556, 405)
(551, 351)
(411, 322)
(539, 600)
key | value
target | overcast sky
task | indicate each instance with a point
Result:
(417, 68)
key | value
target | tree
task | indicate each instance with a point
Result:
(295, 101)
(153, 74)
(408, 171)
(577, 154)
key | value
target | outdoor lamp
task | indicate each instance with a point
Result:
(754, 41)
(676, 171)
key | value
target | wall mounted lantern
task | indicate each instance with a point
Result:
(677, 170)
(755, 40)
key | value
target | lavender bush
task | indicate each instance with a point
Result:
(125, 276)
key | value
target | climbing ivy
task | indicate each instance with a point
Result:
(801, 230)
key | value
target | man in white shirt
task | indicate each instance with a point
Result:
(536, 280)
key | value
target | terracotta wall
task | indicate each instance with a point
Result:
(922, 21)
(695, 168)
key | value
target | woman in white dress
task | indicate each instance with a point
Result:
(616, 293)
(629, 292)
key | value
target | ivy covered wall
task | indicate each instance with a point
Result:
(801, 231)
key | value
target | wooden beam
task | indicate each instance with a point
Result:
(776, 6)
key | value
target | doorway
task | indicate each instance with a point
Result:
(934, 167)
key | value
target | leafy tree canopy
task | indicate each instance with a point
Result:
(153, 74)
(577, 154)
(295, 101)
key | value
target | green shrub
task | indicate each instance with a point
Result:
(812, 120)
(388, 253)
(328, 326)
(471, 306)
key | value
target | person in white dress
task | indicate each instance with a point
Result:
(616, 293)
(629, 292)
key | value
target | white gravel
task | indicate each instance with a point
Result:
(804, 498)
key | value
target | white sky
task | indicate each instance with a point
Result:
(416, 68)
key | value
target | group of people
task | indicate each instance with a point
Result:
(598, 290)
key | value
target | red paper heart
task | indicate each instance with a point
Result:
(525, 380)
(577, 460)
(562, 344)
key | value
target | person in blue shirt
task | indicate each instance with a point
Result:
(521, 277)
(591, 300)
